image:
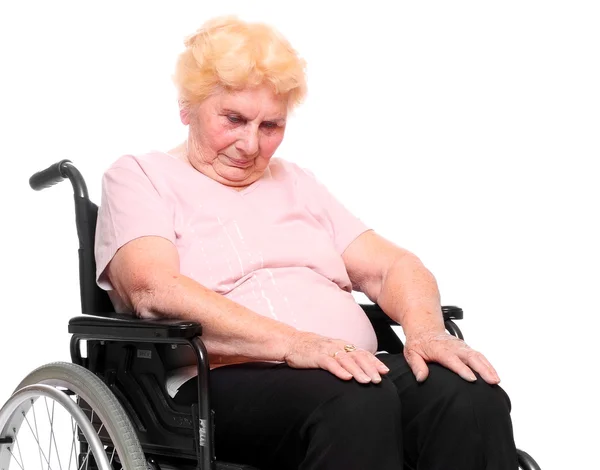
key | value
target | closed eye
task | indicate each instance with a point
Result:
(233, 119)
(269, 125)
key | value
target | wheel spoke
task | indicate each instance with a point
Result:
(89, 448)
(38, 443)
(15, 458)
(37, 436)
(18, 446)
(93, 433)
(52, 435)
(51, 430)
(87, 455)
(73, 446)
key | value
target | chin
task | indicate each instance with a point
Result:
(238, 176)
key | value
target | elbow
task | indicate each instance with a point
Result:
(408, 267)
(143, 300)
(144, 295)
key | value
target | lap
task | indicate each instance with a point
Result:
(263, 392)
(260, 391)
(265, 405)
(266, 412)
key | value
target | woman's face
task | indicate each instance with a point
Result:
(233, 135)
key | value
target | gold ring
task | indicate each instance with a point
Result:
(347, 347)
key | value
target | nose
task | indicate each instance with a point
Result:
(248, 141)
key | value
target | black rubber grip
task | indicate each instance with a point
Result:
(48, 177)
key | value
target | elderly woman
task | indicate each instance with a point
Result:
(258, 251)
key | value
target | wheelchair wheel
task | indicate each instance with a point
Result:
(63, 417)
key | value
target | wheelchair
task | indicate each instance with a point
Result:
(115, 408)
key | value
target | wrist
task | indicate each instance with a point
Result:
(418, 326)
(281, 342)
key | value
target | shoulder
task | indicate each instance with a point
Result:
(142, 163)
(153, 169)
(150, 174)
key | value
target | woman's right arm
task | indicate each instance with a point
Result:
(145, 273)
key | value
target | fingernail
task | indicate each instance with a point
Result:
(386, 368)
(420, 376)
(366, 377)
(472, 378)
(376, 379)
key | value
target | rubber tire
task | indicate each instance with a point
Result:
(99, 397)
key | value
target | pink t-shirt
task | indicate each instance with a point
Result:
(274, 247)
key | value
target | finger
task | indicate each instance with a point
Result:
(348, 362)
(455, 364)
(381, 367)
(480, 364)
(332, 365)
(491, 367)
(366, 361)
(417, 364)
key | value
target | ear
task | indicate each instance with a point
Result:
(184, 112)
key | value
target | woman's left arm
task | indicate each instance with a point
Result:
(407, 292)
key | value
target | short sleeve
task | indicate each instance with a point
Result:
(343, 226)
(131, 208)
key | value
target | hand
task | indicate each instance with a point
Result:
(312, 351)
(449, 351)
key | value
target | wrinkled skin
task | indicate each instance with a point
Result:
(448, 351)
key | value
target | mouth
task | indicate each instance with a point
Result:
(240, 163)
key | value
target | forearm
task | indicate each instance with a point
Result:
(409, 294)
(229, 329)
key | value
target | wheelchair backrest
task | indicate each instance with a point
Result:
(94, 301)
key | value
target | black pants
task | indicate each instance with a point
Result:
(275, 417)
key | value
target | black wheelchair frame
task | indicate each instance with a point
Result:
(130, 355)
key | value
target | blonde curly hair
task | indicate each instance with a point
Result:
(229, 53)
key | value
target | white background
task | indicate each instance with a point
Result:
(466, 132)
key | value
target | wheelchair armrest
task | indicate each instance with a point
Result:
(375, 313)
(388, 340)
(452, 312)
(126, 328)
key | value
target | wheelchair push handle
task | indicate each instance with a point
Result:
(58, 172)
(55, 173)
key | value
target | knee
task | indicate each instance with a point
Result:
(359, 426)
(461, 398)
(465, 421)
